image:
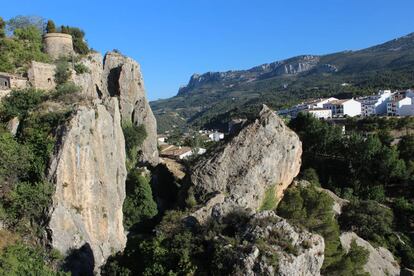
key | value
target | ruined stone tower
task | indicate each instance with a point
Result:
(57, 45)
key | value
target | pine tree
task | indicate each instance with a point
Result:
(50, 28)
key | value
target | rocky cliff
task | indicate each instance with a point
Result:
(261, 160)
(88, 164)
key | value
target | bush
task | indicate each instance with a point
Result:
(367, 219)
(67, 93)
(80, 68)
(311, 175)
(134, 137)
(50, 27)
(139, 204)
(62, 72)
(20, 259)
(19, 103)
(15, 161)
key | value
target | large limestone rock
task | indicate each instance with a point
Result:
(264, 154)
(124, 80)
(380, 260)
(120, 76)
(88, 170)
(305, 256)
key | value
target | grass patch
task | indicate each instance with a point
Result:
(270, 200)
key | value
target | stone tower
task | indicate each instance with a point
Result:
(57, 45)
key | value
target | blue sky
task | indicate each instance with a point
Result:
(172, 39)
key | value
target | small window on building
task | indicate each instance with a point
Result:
(5, 83)
(49, 80)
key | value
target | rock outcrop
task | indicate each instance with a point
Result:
(89, 173)
(263, 157)
(88, 165)
(124, 80)
(120, 76)
(380, 260)
(304, 257)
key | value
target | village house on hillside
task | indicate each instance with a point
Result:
(375, 104)
(346, 107)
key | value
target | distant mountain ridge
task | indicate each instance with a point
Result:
(280, 83)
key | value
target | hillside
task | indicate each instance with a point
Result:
(212, 98)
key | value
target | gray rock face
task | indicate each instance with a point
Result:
(89, 173)
(307, 258)
(265, 154)
(124, 80)
(380, 260)
(120, 76)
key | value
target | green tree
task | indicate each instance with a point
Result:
(406, 148)
(139, 204)
(19, 103)
(62, 72)
(311, 175)
(51, 27)
(134, 137)
(2, 28)
(367, 219)
(23, 22)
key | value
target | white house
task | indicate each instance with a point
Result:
(313, 104)
(216, 136)
(346, 107)
(320, 113)
(400, 107)
(375, 104)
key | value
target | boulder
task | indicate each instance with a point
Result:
(305, 255)
(380, 260)
(263, 157)
(89, 173)
(13, 125)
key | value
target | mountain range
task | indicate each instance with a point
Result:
(212, 99)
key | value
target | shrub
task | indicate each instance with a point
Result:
(367, 219)
(139, 204)
(311, 175)
(67, 93)
(20, 259)
(62, 72)
(15, 161)
(19, 103)
(134, 137)
(80, 68)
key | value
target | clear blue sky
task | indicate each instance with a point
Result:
(172, 39)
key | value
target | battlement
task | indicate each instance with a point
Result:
(58, 44)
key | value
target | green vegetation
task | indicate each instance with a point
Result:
(80, 68)
(365, 167)
(270, 200)
(312, 210)
(139, 204)
(25, 193)
(62, 72)
(177, 247)
(50, 27)
(18, 50)
(20, 259)
(134, 137)
(79, 44)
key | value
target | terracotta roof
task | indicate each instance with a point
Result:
(175, 151)
(339, 101)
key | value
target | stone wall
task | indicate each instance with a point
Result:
(57, 45)
(42, 75)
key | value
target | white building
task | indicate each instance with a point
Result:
(216, 136)
(314, 104)
(375, 104)
(346, 107)
(400, 107)
(320, 113)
